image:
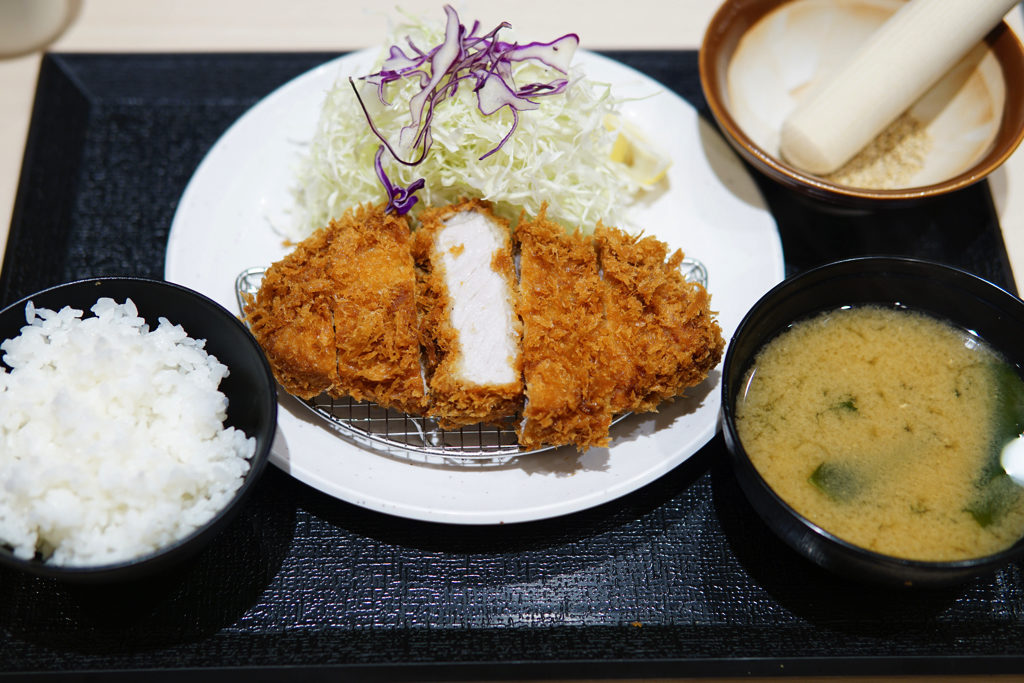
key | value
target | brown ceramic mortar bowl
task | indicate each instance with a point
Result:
(758, 56)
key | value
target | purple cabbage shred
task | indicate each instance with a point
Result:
(400, 199)
(481, 60)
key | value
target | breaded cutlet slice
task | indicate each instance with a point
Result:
(338, 313)
(665, 335)
(565, 338)
(290, 316)
(374, 312)
(468, 325)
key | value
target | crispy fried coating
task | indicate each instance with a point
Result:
(338, 314)
(468, 326)
(375, 317)
(292, 320)
(596, 326)
(565, 338)
(665, 336)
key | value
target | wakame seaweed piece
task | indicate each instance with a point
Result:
(846, 404)
(838, 482)
(995, 498)
(997, 492)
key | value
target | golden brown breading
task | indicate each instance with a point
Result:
(291, 319)
(457, 397)
(666, 338)
(375, 317)
(338, 314)
(608, 323)
(565, 339)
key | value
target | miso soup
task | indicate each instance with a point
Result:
(885, 427)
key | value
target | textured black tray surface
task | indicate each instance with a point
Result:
(677, 579)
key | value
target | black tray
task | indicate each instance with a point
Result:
(677, 579)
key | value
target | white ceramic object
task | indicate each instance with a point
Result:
(710, 207)
(908, 54)
(799, 45)
(30, 25)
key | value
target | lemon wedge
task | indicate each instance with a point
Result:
(641, 161)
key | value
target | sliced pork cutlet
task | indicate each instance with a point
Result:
(565, 338)
(469, 329)
(373, 308)
(338, 313)
(665, 338)
(291, 318)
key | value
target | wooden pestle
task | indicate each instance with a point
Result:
(919, 44)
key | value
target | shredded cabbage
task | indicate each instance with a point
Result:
(560, 153)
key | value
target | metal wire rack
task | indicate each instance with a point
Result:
(414, 437)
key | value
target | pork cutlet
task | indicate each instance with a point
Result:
(338, 314)
(565, 338)
(664, 335)
(469, 330)
(435, 322)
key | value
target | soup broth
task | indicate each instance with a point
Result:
(885, 427)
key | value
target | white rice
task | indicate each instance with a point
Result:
(112, 442)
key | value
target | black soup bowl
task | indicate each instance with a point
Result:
(963, 299)
(249, 388)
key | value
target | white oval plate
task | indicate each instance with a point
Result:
(710, 208)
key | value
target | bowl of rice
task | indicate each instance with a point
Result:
(135, 417)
